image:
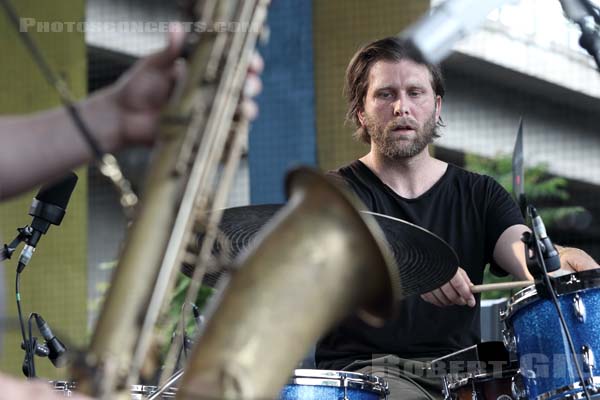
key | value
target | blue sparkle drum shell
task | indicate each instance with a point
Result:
(316, 384)
(534, 332)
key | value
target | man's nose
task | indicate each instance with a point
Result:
(400, 107)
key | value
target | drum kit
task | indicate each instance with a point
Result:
(533, 362)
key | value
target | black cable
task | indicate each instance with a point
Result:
(26, 341)
(32, 346)
(561, 317)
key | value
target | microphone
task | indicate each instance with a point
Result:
(435, 34)
(549, 252)
(583, 15)
(56, 349)
(47, 208)
(575, 10)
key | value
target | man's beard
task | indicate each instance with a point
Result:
(391, 145)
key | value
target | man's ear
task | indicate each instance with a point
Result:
(438, 108)
(361, 117)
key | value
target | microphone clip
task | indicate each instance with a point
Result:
(540, 254)
(24, 235)
(534, 265)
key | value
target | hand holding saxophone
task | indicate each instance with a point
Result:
(140, 95)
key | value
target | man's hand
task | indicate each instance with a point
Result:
(456, 292)
(140, 95)
(574, 260)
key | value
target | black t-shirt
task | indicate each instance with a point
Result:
(469, 211)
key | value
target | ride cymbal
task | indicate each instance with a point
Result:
(424, 260)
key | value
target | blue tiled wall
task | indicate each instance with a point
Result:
(284, 134)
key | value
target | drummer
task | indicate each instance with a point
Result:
(395, 101)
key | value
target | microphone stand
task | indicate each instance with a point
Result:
(545, 287)
(29, 344)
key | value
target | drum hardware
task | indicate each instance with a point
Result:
(508, 339)
(137, 392)
(314, 384)
(64, 387)
(144, 392)
(579, 308)
(482, 371)
(517, 389)
(588, 358)
(167, 385)
(485, 386)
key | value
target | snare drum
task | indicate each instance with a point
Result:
(534, 332)
(316, 384)
(138, 392)
(482, 387)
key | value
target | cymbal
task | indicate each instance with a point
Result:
(425, 261)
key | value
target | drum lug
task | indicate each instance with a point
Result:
(588, 357)
(516, 387)
(503, 314)
(509, 340)
(579, 308)
(446, 389)
(345, 385)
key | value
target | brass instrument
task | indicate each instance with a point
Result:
(179, 189)
(317, 261)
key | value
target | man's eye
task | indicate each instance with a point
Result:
(414, 93)
(384, 95)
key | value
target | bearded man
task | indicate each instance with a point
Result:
(395, 99)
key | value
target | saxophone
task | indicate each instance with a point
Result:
(179, 190)
(318, 261)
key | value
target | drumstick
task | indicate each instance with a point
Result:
(500, 286)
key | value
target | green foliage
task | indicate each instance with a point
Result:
(176, 309)
(539, 185)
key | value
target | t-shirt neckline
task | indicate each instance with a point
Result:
(433, 187)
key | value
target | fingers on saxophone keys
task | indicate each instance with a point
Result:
(252, 87)
(257, 64)
(249, 109)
